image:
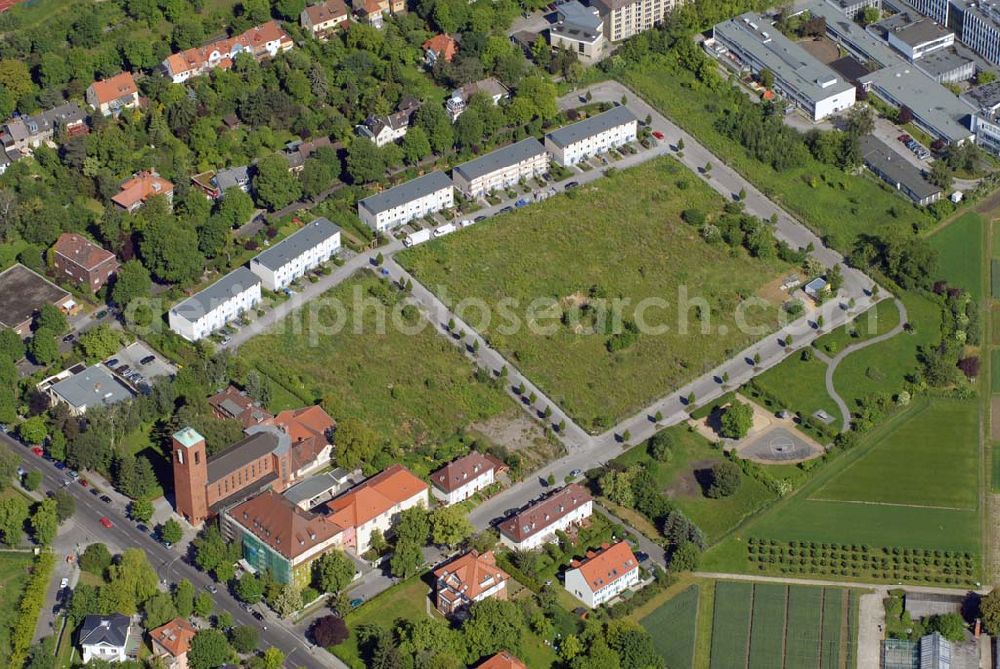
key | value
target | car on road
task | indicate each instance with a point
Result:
(226, 340)
(124, 369)
(105, 499)
(212, 589)
(576, 472)
(95, 492)
(73, 474)
(479, 219)
(107, 522)
(148, 359)
(659, 135)
(85, 483)
(506, 210)
(63, 584)
(257, 614)
(101, 314)
(60, 465)
(523, 202)
(68, 338)
(67, 482)
(356, 602)
(37, 450)
(142, 528)
(904, 138)
(571, 184)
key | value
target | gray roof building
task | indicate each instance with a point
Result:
(895, 170)
(935, 652)
(947, 64)
(575, 132)
(500, 159)
(985, 97)
(224, 289)
(322, 487)
(861, 43)
(913, 29)
(934, 107)
(406, 192)
(293, 246)
(94, 386)
(112, 630)
(233, 177)
(260, 440)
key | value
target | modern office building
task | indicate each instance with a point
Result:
(935, 109)
(579, 29)
(752, 44)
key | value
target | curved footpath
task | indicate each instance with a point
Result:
(833, 362)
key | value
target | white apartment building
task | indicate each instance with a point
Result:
(916, 36)
(295, 255)
(603, 574)
(750, 42)
(579, 29)
(462, 478)
(537, 525)
(625, 18)
(407, 201)
(224, 301)
(589, 137)
(501, 169)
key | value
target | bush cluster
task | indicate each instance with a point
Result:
(891, 563)
(23, 630)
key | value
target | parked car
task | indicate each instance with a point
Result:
(904, 138)
(356, 602)
(226, 340)
(479, 219)
(124, 369)
(101, 314)
(659, 135)
(37, 450)
(73, 474)
(212, 589)
(523, 202)
(63, 584)
(60, 465)
(576, 472)
(571, 184)
(506, 210)
(148, 359)
(107, 522)
(105, 499)
(68, 338)
(142, 528)
(112, 363)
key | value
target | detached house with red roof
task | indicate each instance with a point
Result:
(83, 261)
(278, 537)
(603, 574)
(113, 94)
(144, 185)
(375, 504)
(171, 643)
(263, 41)
(466, 579)
(462, 478)
(440, 47)
(503, 660)
(537, 525)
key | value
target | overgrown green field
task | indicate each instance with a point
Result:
(13, 575)
(410, 388)
(621, 237)
(673, 627)
(836, 205)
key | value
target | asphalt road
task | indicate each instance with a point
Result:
(169, 563)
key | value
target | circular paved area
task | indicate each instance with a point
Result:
(779, 444)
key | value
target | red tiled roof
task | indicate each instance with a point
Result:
(231, 402)
(81, 250)
(458, 472)
(537, 517)
(140, 188)
(606, 565)
(503, 660)
(444, 45)
(308, 429)
(469, 575)
(375, 496)
(254, 40)
(115, 87)
(282, 525)
(175, 636)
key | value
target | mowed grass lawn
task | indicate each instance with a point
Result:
(932, 459)
(883, 366)
(800, 385)
(836, 205)
(13, 574)
(960, 253)
(410, 388)
(912, 483)
(621, 237)
(673, 627)
(690, 453)
(873, 322)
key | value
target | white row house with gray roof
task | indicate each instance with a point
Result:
(502, 168)
(597, 134)
(224, 301)
(407, 201)
(295, 255)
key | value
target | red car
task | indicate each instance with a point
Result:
(84, 483)
(107, 522)
(37, 450)
(657, 134)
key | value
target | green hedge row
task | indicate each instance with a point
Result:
(29, 607)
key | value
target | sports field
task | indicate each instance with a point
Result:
(773, 626)
(619, 239)
(960, 253)
(673, 626)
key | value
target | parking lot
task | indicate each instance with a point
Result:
(138, 364)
